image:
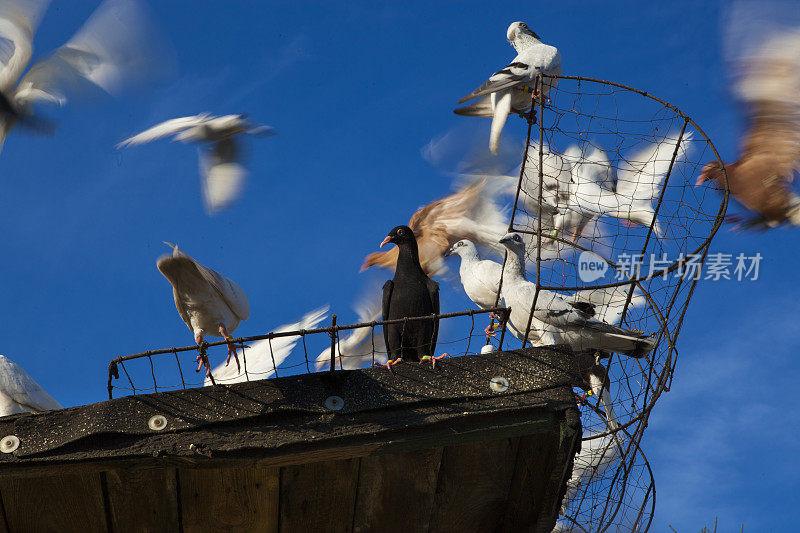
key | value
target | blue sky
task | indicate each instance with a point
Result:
(356, 91)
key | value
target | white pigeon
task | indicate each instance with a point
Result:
(597, 454)
(555, 320)
(609, 302)
(480, 278)
(207, 301)
(114, 48)
(356, 350)
(637, 186)
(221, 171)
(262, 357)
(481, 281)
(533, 57)
(19, 393)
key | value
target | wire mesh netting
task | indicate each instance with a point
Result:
(611, 224)
(608, 209)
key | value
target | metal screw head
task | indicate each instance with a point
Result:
(157, 422)
(487, 349)
(9, 443)
(498, 384)
(334, 403)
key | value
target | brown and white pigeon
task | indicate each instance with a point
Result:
(467, 214)
(769, 88)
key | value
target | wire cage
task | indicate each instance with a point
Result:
(593, 150)
(647, 261)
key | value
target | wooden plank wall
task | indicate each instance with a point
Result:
(481, 486)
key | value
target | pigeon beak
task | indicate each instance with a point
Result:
(449, 252)
(504, 240)
(385, 241)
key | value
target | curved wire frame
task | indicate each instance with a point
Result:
(627, 127)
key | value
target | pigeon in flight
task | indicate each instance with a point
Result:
(631, 199)
(19, 393)
(207, 301)
(356, 350)
(555, 319)
(769, 159)
(262, 357)
(467, 214)
(507, 87)
(411, 293)
(221, 171)
(115, 48)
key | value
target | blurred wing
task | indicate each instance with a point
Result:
(22, 389)
(230, 292)
(222, 176)
(640, 178)
(18, 22)
(520, 103)
(115, 48)
(356, 349)
(262, 357)
(166, 128)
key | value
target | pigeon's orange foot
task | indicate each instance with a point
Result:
(581, 399)
(434, 358)
(202, 361)
(390, 363)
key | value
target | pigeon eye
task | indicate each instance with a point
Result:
(400, 232)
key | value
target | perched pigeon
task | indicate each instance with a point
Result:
(115, 48)
(262, 357)
(480, 278)
(555, 319)
(220, 168)
(769, 88)
(19, 393)
(208, 302)
(507, 87)
(359, 346)
(637, 187)
(467, 214)
(410, 294)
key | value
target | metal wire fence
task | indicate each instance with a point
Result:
(288, 352)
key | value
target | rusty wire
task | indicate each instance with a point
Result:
(613, 118)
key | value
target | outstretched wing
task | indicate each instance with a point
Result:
(18, 22)
(166, 128)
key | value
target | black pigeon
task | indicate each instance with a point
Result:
(410, 294)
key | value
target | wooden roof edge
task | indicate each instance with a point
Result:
(273, 420)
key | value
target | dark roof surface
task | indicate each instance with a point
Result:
(269, 418)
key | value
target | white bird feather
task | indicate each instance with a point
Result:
(19, 393)
(262, 357)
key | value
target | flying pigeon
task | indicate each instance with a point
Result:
(769, 159)
(115, 47)
(507, 87)
(19, 393)
(555, 319)
(632, 197)
(207, 301)
(262, 357)
(222, 174)
(467, 214)
(411, 293)
(360, 345)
